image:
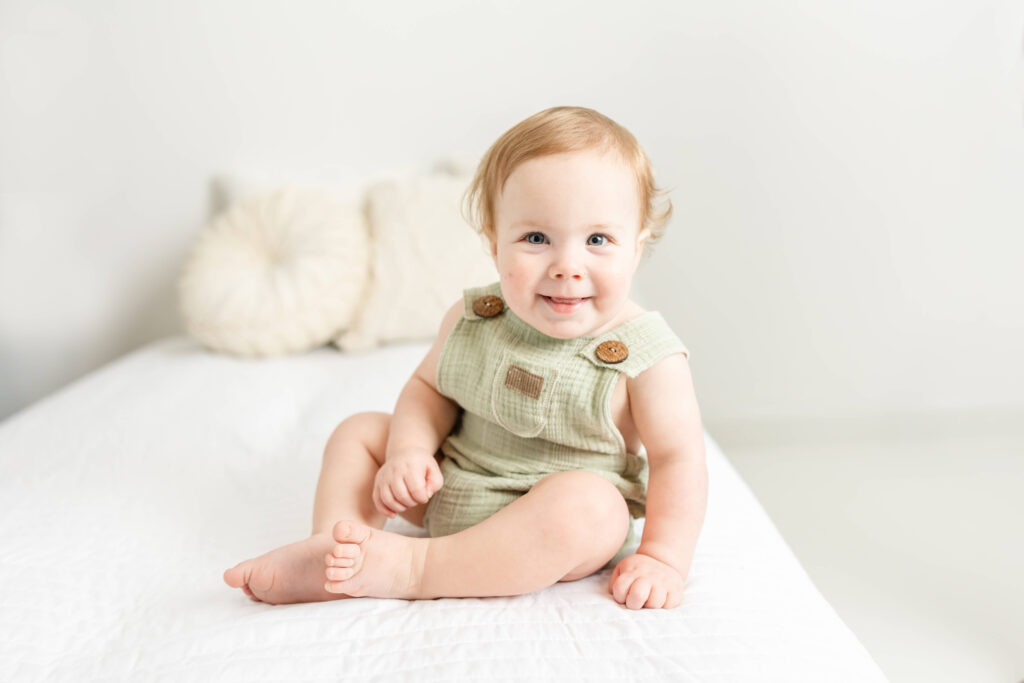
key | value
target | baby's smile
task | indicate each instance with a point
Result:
(565, 305)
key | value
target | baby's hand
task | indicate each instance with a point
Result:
(642, 581)
(405, 481)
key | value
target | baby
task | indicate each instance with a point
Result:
(517, 441)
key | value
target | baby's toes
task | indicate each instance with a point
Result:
(332, 561)
(350, 532)
(339, 573)
(344, 561)
(345, 551)
(346, 558)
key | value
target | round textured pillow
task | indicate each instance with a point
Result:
(278, 273)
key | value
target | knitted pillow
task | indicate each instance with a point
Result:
(424, 255)
(276, 273)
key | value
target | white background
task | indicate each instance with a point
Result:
(845, 257)
(848, 177)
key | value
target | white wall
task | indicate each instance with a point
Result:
(847, 176)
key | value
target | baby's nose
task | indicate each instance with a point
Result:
(567, 264)
(567, 271)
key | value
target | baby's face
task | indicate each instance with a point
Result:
(567, 242)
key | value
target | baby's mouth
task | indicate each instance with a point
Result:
(564, 304)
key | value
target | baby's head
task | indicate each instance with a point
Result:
(561, 130)
(567, 201)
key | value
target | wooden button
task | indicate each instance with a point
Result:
(612, 352)
(488, 306)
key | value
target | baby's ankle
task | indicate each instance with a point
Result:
(418, 579)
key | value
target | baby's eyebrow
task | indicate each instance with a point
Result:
(529, 224)
(541, 226)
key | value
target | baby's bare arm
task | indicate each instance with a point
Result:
(422, 419)
(665, 411)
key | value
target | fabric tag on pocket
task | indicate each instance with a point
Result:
(523, 382)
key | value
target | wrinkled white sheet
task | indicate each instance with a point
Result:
(124, 496)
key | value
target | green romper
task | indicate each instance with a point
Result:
(533, 405)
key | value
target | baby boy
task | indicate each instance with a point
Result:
(550, 411)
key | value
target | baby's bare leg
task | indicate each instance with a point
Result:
(294, 573)
(352, 457)
(567, 527)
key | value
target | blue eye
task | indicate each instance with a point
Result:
(536, 238)
(596, 240)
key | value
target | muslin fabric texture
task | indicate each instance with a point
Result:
(533, 405)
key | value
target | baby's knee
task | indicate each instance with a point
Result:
(589, 502)
(368, 429)
(362, 423)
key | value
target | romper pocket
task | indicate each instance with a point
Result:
(521, 394)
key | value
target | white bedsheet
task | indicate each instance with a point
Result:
(124, 496)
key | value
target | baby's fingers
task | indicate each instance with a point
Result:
(657, 599)
(391, 506)
(434, 478)
(400, 491)
(639, 593)
(620, 583)
(379, 504)
(631, 590)
(417, 490)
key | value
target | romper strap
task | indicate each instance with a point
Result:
(635, 345)
(471, 295)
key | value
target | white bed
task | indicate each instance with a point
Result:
(124, 496)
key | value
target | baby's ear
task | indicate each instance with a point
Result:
(641, 243)
(641, 239)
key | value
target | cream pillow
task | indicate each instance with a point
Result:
(277, 273)
(424, 255)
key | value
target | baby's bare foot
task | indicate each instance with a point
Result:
(371, 562)
(291, 573)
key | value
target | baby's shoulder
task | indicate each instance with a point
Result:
(448, 322)
(665, 381)
(646, 336)
(427, 370)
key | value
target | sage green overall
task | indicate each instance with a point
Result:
(534, 405)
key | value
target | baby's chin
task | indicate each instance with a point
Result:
(558, 334)
(565, 329)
